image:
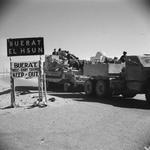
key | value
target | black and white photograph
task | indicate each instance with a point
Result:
(74, 74)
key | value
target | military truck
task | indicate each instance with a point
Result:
(60, 76)
(126, 79)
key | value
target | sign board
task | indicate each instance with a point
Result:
(25, 69)
(25, 46)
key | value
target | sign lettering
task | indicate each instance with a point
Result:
(25, 69)
(25, 46)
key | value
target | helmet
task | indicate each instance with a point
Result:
(124, 52)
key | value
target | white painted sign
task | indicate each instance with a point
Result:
(25, 69)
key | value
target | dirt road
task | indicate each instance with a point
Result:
(74, 122)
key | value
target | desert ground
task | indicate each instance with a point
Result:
(71, 121)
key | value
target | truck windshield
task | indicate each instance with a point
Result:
(145, 61)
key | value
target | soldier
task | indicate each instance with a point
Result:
(123, 57)
(54, 52)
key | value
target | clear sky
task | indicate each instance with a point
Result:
(81, 26)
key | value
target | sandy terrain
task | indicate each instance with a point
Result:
(69, 123)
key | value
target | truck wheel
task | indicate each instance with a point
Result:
(147, 96)
(101, 88)
(88, 87)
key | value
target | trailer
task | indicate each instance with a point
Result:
(126, 79)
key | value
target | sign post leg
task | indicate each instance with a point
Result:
(12, 84)
(39, 83)
(13, 104)
(45, 90)
(39, 88)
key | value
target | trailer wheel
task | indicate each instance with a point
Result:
(50, 85)
(147, 96)
(66, 87)
(88, 87)
(101, 88)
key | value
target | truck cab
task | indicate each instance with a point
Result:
(137, 74)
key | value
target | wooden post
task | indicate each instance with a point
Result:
(39, 82)
(39, 88)
(12, 85)
(44, 85)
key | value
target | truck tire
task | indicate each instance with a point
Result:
(147, 96)
(89, 87)
(101, 88)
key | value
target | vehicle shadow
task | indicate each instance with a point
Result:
(115, 101)
(26, 89)
(5, 91)
(78, 96)
(126, 103)
(81, 97)
(21, 89)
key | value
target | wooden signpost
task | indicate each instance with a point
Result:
(26, 47)
(12, 85)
